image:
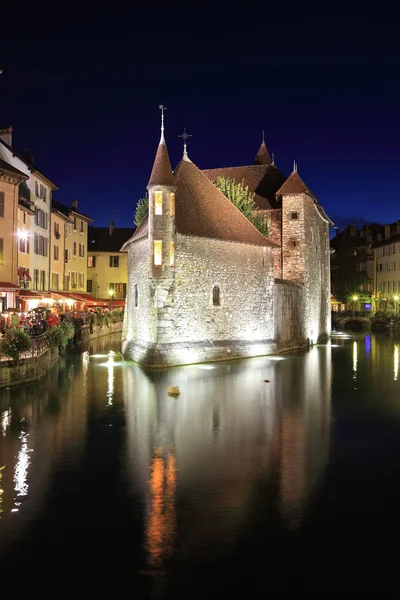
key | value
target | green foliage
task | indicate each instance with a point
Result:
(14, 342)
(142, 209)
(238, 194)
(100, 319)
(346, 279)
(117, 315)
(262, 223)
(243, 198)
(59, 336)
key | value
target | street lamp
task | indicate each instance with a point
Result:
(111, 293)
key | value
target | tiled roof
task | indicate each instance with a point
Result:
(294, 185)
(202, 210)
(28, 163)
(162, 172)
(4, 166)
(100, 240)
(262, 180)
(262, 157)
(140, 232)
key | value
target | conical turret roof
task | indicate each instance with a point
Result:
(161, 173)
(262, 156)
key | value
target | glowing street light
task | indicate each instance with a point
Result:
(355, 297)
(111, 293)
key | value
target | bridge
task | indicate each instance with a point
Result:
(358, 323)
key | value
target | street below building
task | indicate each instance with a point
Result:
(277, 472)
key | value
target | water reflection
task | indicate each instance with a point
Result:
(396, 362)
(234, 427)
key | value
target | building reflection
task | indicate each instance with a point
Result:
(234, 427)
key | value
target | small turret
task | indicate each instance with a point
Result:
(161, 188)
(262, 157)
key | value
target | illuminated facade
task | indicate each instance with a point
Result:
(204, 284)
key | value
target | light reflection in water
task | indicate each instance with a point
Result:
(396, 362)
(355, 360)
(21, 467)
(367, 344)
(5, 421)
(110, 367)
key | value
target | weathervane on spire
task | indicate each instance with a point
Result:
(273, 158)
(263, 134)
(294, 166)
(185, 136)
(162, 108)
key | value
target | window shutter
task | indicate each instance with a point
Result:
(1, 204)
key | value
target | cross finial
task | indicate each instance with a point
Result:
(162, 108)
(273, 159)
(185, 136)
(294, 166)
(263, 134)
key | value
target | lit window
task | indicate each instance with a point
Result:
(158, 203)
(216, 296)
(171, 254)
(157, 252)
(172, 204)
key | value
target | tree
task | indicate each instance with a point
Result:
(142, 209)
(243, 198)
(346, 276)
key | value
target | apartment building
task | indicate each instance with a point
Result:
(107, 265)
(387, 270)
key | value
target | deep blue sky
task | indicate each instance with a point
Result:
(85, 103)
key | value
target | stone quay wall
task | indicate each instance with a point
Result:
(289, 315)
(33, 368)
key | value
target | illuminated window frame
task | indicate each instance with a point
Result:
(158, 203)
(157, 252)
(172, 254)
(172, 204)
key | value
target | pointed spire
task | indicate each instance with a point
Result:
(262, 156)
(162, 108)
(294, 185)
(161, 173)
(185, 136)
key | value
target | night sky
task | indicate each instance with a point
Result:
(85, 102)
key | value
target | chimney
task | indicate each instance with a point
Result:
(6, 135)
(353, 229)
(111, 227)
(387, 232)
(397, 226)
(28, 156)
(74, 205)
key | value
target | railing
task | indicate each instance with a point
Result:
(39, 345)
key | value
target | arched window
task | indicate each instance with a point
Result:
(136, 295)
(216, 296)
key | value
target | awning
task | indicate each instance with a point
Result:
(29, 294)
(7, 286)
(24, 274)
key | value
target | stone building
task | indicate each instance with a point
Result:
(204, 284)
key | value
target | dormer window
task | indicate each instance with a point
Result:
(172, 204)
(158, 203)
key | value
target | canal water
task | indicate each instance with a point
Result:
(278, 471)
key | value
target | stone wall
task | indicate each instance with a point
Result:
(189, 327)
(29, 369)
(275, 235)
(289, 314)
(306, 259)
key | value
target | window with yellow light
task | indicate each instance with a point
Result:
(171, 254)
(158, 203)
(157, 252)
(172, 204)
